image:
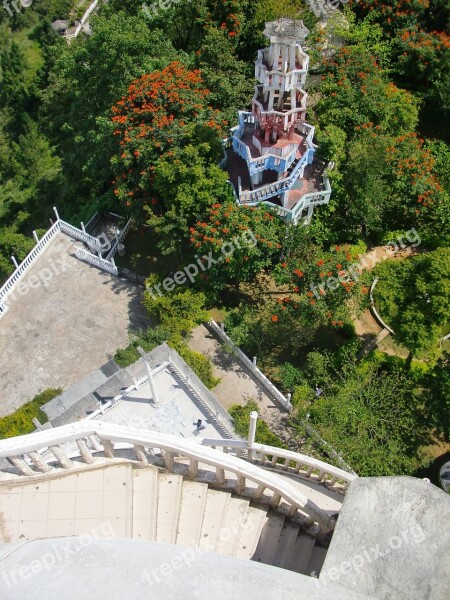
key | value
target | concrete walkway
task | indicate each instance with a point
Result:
(237, 386)
(65, 319)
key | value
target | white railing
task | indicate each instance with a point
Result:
(277, 395)
(25, 265)
(278, 187)
(84, 18)
(268, 385)
(78, 234)
(97, 261)
(259, 163)
(282, 116)
(152, 447)
(374, 310)
(287, 463)
(119, 240)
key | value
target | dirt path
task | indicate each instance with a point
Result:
(237, 386)
(365, 325)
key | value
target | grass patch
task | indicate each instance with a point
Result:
(21, 421)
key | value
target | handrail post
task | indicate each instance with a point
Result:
(252, 429)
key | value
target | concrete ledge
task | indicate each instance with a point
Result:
(391, 540)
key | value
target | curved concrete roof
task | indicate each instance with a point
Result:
(63, 569)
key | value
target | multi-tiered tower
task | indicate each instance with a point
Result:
(272, 158)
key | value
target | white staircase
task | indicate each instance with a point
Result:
(120, 499)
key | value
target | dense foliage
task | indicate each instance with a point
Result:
(131, 119)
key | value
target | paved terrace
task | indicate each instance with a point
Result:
(65, 319)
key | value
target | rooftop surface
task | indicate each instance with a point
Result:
(125, 399)
(177, 412)
(65, 319)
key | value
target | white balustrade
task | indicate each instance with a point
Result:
(273, 391)
(154, 446)
(105, 265)
(287, 462)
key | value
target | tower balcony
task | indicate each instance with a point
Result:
(283, 74)
(277, 156)
(281, 120)
(294, 198)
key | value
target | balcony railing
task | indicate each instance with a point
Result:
(44, 451)
(279, 187)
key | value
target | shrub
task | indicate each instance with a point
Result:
(302, 397)
(241, 416)
(289, 376)
(201, 365)
(21, 421)
(148, 340)
(125, 357)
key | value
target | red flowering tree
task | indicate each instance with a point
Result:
(241, 241)
(161, 110)
(392, 14)
(324, 287)
(355, 90)
(226, 15)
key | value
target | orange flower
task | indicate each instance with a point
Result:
(274, 318)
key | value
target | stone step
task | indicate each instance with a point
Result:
(230, 531)
(288, 537)
(192, 508)
(169, 496)
(268, 542)
(251, 532)
(301, 553)
(92, 501)
(213, 518)
(145, 503)
(316, 561)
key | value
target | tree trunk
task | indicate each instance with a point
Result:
(408, 362)
(237, 289)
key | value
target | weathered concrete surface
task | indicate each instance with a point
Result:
(65, 320)
(118, 569)
(392, 540)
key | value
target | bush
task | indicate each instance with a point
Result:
(125, 357)
(21, 421)
(148, 340)
(302, 397)
(152, 338)
(201, 365)
(289, 376)
(241, 416)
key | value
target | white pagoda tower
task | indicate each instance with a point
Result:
(271, 154)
